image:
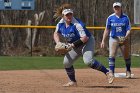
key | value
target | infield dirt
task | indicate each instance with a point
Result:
(51, 81)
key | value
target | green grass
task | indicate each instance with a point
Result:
(33, 63)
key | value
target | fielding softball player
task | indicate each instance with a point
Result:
(118, 28)
(79, 42)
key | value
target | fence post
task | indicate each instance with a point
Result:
(31, 43)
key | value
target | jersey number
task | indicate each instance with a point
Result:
(118, 29)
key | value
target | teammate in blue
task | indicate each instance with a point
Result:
(118, 28)
(81, 41)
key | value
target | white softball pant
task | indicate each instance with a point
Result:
(87, 51)
(114, 45)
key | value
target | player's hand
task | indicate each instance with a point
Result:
(69, 46)
(121, 39)
(102, 44)
(63, 48)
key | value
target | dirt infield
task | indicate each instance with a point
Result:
(51, 81)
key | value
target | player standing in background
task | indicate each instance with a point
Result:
(81, 42)
(118, 28)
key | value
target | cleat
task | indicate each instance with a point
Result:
(128, 74)
(110, 77)
(70, 84)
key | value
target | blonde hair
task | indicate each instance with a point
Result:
(58, 11)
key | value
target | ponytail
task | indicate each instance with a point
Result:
(58, 11)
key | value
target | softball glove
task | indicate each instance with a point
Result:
(121, 39)
(63, 48)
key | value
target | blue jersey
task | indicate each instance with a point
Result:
(118, 26)
(75, 31)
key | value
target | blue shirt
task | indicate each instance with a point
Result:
(118, 26)
(74, 31)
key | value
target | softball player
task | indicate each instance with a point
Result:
(118, 25)
(81, 41)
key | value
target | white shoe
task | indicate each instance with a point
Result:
(128, 74)
(70, 84)
(110, 77)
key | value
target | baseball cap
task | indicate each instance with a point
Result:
(66, 11)
(117, 4)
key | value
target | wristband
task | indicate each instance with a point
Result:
(78, 43)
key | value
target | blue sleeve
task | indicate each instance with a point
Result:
(58, 29)
(108, 23)
(128, 25)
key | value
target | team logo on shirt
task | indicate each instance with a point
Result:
(69, 36)
(117, 24)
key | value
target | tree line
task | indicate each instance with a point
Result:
(17, 41)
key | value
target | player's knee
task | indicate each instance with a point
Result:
(88, 61)
(126, 56)
(112, 54)
(67, 64)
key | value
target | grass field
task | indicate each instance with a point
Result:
(33, 63)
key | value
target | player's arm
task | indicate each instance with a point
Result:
(56, 35)
(83, 37)
(127, 34)
(128, 28)
(105, 34)
(60, 47)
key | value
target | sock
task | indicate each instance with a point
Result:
(71, 73)
(112, 64)
(128, 64)
(98, 66)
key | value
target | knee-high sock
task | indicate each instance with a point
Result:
(98, 66)
(112, 64)
(128, 64)
(71, 73)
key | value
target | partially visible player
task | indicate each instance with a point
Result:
(118, 28)
(81, 42)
